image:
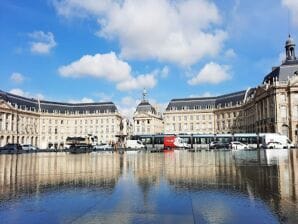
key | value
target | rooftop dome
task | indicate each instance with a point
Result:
(145, 107)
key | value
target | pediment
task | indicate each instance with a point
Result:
(5, 105)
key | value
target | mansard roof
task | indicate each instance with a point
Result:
(283, 72)
(231, 99)
(145, 107)
(288, 68)
(58, 107)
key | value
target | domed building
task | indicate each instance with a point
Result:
(146, 119)
(271, 107)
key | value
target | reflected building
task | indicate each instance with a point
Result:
(33, 173)
(267, 175)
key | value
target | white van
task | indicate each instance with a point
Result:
(268, 138)
(134, 144)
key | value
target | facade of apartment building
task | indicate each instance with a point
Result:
(47, 124)
(270, 107)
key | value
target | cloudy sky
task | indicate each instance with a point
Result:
(109, 50)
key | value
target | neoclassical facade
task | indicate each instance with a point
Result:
(48, 124)
(273, 106)
(204, 115)
(146, 119)
(270, 107)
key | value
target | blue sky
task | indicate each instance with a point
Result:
(99, 50)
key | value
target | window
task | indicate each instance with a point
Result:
(283, 112)
(296, 111)
(283, 97)
(148, 121)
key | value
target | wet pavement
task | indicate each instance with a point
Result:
(176, 187)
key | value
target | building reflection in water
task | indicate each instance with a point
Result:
(33, 173)
(267, 175)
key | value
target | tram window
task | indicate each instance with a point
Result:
(146, 140)
(196, 141)
(203, 141)
(158, 140)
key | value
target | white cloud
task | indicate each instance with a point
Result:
(17, 78)
(129, 101)
(103, 97)
(79, 8)
(147, 81)
(211, 73)
(292, 5)
(127, 106)
(109, 67)
(165, 72)
(83, 100)
(42, 43)
(181, 32)
(106, 66)
(230, 53)
(205, 94)
(23, 93)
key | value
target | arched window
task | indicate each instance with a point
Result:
(285, 130)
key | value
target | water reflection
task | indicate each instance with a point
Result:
(205, 187)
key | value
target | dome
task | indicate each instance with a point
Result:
(145, 107)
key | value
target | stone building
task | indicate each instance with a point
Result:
(269, 107)
(273, 106)
(204, 115)
(146, 119)
(48, 124)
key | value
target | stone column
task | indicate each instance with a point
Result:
(2, 125)
(9, 122)
(6, 120)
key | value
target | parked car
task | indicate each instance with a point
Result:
(218, 145)
(12, 148)
(238, 146)
(29, 147)
(102, 146)
(276, 145)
